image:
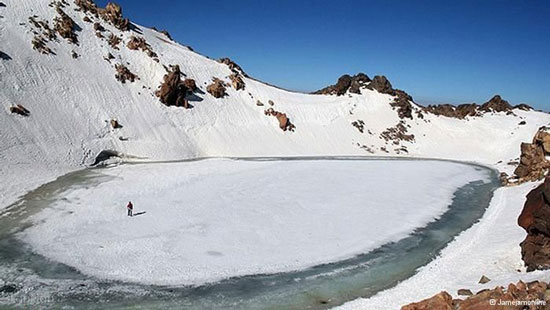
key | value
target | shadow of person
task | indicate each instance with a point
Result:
(139, 213)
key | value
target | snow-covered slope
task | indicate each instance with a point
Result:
(71, 101)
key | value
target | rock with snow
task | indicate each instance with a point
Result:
(217, 88)
(173, 90)
(112, 13)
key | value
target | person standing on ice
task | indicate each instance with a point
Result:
(130, 208)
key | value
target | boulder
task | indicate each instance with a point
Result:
(217, 88)
(441, 301)
(114, 41)
(173, 90)
(535, 219)
(139, 43)
(533, 164)
(514, 297)
(124, 74)
(65, 26)
(19, 109)
(284, 122)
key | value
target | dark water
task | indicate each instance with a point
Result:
(42, 283)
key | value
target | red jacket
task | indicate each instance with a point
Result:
(130, 206)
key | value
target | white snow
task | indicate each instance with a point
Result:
(215, 219)
(71, 99)
(490, 248)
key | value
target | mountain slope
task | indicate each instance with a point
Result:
(72, 100)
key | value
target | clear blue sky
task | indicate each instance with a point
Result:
(438, 51)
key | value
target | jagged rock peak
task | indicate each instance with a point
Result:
(345, 83)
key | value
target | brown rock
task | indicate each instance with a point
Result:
(124, 74)
(19, 109)
(533, 165)
(232, 66)
(464, 292)
(259, 103)
(173, 90)
(345, 83)
(441, 301)
(237, 81)
(139, 43)
(381, 84)
(271, 103)
(112, 13)
(190, 84)
(496, 104)
(484, 280)
(284, 122)
(535, 219)
(115, 124)
(217, 88)
(114, 41)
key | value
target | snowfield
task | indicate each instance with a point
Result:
(219, 218)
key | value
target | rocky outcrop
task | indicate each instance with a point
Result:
(519, 296)
(139, 43)
(39, 44)
(381, 84)
(360, 125)
(397, 134)
(284, 122)
(87, 6)
(233, 66)
(535, 219)
(441, 301)
(114, 41)
(173, 90)
(112, 14)
(19, 109)
(217, 88)
(449, 110)
(533, 165)
(346, 83)
(65, 26)
(495, 104)
(237, 81)
(124, 74)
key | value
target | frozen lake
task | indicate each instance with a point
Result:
(254, 233)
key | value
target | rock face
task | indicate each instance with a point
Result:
(533, 164)
(511, 298)
(217, 88)
(65, 26)
(173, 91)
(535, 219)
(112, 13)
(284, 121)
(345, 83)
(236, 81)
